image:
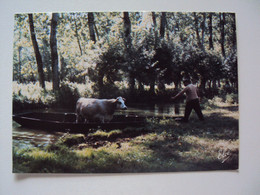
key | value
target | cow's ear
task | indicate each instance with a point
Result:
(117, 99)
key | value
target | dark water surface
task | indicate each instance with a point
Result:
(25, 138)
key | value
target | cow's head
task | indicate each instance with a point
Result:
(120, 102)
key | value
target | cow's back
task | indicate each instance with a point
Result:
(91, 108)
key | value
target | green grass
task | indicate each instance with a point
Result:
(162, 145)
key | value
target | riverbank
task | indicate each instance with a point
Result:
(30, 96)
(161, 146)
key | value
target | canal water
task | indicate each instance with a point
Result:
(25, 137)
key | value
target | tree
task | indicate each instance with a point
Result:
(203, 25)
(163, 24)
(211, 47)
(19, 62)
(128, 46)
(106, 71)
(36, 51)
(143, 49)
(54, 52)
(155, 30)
(77, 34)
(234, 34)
(91, 26)
(222, 30)
(198, 28)
(162, 55)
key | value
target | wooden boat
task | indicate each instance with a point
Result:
(67, 122)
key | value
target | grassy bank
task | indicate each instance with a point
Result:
(162, 145)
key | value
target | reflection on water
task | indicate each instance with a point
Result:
(166, 110)
(24, 137)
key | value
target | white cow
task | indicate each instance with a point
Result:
(91, 109)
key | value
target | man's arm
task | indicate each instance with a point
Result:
(179, 94)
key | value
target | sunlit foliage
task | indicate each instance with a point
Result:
(191, 46)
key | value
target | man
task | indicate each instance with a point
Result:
(192, 100)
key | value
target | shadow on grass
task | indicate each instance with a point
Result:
(221, 127)
(231, 108)
(215, 126)
(185, 158)
(161, 146)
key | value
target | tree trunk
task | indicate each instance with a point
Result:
(128, 46)
(152, 81)
(140, 86)
(163, 24)
(222, 30)
(234, 37)
(62, 68)
(152, 85)
(37, 52)
(77, 36)
(54, 52)
(214, 84)
(46, 57)
(100, 84)
(211, 47)
(197, 29)
(176, 84)
(91, 26)
(203, 24)
(203, 84)
(96, 30)
(155, 30)
(19, 64)
(161, 85)
(127, 31)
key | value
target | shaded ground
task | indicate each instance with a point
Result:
(162, 145)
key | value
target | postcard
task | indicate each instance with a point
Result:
(125, 92)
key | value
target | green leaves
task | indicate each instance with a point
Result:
(151, 60)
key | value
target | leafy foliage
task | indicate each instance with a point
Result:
(191, 45)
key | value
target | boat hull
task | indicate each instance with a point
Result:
(67, 122)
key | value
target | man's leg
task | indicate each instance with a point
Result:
(188, 109)
(197, 109)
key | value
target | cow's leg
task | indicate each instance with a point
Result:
(77, 118)
(103, 119)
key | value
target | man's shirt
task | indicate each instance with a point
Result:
(191, 92)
